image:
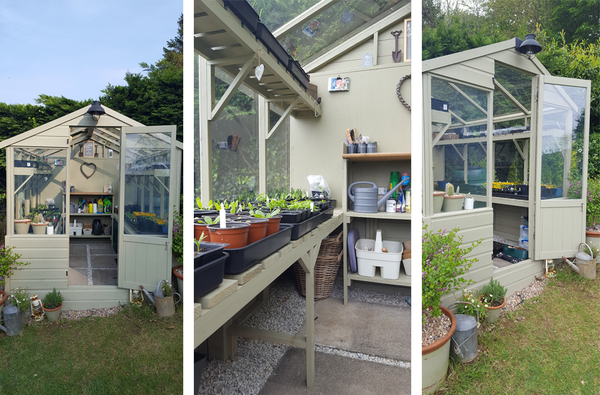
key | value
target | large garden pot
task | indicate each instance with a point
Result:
(2, 300)
(235, 234)
(453, 203)
(165, 306)
(592, 238)
(179, 277)
(39, 228)
(493, 313)
(435, 359)
(273, 225)
(258, 228)
(438, 201)
(22, 226)
(52, 314)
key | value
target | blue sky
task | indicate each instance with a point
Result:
(75, 48)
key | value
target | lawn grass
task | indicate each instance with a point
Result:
(549, 346)
(133, 351)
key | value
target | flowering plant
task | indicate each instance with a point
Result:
(492, 294)
(444, 264)
(177, 244)
(471, 296)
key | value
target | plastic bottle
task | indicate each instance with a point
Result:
(407, 197)
(394, 180)
(90, 207)
(110, 190)
(95, 207)
(100, 205)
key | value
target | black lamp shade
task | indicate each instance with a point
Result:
(530, 45)
(96, 109)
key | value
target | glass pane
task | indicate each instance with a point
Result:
(278, 154)
(518, 84)
(562, 141)
(147, 170)
(235, 144)
(465, 103)
(510, 173)
(40, 176)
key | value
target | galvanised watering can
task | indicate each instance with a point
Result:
(365, 199)
(13, 319)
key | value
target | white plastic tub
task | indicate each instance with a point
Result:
(406, 264)
(75, 229)
(368, 261)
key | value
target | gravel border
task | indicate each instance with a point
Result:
(284, 312)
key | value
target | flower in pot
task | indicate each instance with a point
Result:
(443, 266)
(492, 297)
(53, 302)
(273, 217)
(234, 233)
(452, 201)
(165, 307)
(177, 247)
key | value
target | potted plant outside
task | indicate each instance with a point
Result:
(53, 302)
(177, 247)
(452, 201)
(493, 298)
(438, 201)
(9, 262)
(592, 218)
(22, 226)
(443, 267)
(234, 233)
(165, 306)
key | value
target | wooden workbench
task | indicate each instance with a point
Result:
(305, 250)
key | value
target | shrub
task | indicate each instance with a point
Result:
(53, 299)
(493, 293)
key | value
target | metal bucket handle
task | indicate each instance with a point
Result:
(588, 247)
(13, 296)
(476, 311)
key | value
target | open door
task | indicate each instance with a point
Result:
(562, 134)
(147, 195)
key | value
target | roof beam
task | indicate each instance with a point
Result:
(473, 102)
(511, 97)
(305, 16)
(283, 117)
(237, 81)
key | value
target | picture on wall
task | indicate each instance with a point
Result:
(339, 84)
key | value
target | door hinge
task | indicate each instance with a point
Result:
(582, 207)
(67, 273)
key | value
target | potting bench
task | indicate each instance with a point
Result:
(221, 323)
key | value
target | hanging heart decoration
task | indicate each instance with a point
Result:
(259, 70)
(90, 165)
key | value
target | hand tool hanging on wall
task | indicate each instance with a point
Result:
(396, 55)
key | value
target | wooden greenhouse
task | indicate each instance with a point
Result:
(106, 187)
(315, 113)
(514, 140)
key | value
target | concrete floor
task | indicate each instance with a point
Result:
(92, 262)
(360, 328)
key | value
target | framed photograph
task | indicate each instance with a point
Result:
(58, 162)
(339, 84)
(407, 43)
(88, 149)
(110, 153)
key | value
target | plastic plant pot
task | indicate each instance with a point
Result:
(273, 225)
(258, 228)
(435, 358)
(39, 228)
(22, 226)
(52, 314)
(438, 201)
(235, 234)
(208, 252)
(199, 229)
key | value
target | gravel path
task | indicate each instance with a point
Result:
(284, 312)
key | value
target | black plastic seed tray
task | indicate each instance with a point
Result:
(209, 276)
(291, 217)
(240, 259)
(305, 226)
(214, 251)
(326, 214)
(244, 11)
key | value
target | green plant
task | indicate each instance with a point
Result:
(23, 298)
(9, 261)
(471, 296)
(177, 245)
(593, 200)
(167, 289)
(208, 220)
(53, 299)
(493, 293)
(444, 263)
(449, 189)
(260, 214)
(202, 237)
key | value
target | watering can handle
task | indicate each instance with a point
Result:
(175, 293)
(350, 195)
(13, 296)
(476, 311)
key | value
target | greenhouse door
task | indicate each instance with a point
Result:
(147, 190)
(561, 136)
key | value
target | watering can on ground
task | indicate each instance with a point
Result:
(464, 339)
(365, 199)
(13, 319)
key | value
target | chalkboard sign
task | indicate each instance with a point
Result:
(88, 149)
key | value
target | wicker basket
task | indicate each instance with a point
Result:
(326, 268)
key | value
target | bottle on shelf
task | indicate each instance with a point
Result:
(95, 207)
(100, 205)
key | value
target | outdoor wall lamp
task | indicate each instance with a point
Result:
(96, 110)
(529, 47)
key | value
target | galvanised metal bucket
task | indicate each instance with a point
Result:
(464, 339)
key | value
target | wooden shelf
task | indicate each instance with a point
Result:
(379, 215)
(403, 280)
(378, 156)
(90, 237)
(90, 214)
(91, 194)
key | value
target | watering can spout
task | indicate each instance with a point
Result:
(387, 195)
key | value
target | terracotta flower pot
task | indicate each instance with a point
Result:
(235, 234)
(52, 314)
(22, 226)
(258, 228)
(493, 313)
(435, 358)
(2, 300)
(273, 226)
(178, 272)
(199, 229)
(592, 237)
